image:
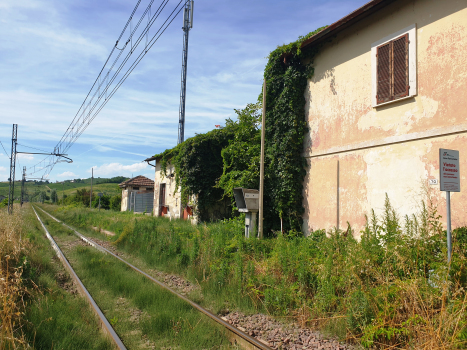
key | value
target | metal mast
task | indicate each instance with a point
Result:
(187, 25)
(22, 185)
(12, 168)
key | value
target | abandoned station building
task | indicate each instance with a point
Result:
(166, 196)
(389, 90)
(137, 194)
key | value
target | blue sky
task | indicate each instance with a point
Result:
(52, 51)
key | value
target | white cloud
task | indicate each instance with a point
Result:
(118, 169)
(68, 174)
(3, 174)
(23, 156)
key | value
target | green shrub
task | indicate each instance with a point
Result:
(390, 288)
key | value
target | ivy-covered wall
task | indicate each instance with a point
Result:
(286, 74)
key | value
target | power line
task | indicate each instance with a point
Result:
(6, 153)
(38, 149)
(108, 58)
(102, 85)
(69, 133)
(93, 111)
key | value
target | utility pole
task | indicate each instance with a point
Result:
(187, 25)
(11, 192)
(90, 194)
(63, 193)
(261, 166)
(22, 185)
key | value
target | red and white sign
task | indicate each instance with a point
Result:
(449, 173)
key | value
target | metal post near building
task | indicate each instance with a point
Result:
(11, 191)
(22, 185)
(187, 25)
(100, 194)
(449, 181)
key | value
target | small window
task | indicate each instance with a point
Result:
(136, 188)
(393, 70)
(394, 67)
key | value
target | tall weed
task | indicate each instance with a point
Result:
(392, 288)
(12, 288)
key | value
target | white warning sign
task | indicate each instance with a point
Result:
(449, 173)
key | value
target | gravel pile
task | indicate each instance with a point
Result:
(280, 336)
(175, 282)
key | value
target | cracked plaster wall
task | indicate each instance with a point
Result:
(388, 149)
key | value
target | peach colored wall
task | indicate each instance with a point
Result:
(393, 148)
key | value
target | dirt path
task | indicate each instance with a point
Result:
(108, 233)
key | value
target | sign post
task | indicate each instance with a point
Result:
(449, 181)
(100, 194)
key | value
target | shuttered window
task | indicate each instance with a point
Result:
(393, 69)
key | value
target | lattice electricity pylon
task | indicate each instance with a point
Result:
(22, 185)
(187, 25)
(12, 168)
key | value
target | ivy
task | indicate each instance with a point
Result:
(286, 73)
(210, 165)
(198, 166)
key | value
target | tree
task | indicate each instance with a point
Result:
(116, 202)
(54, 196)
(241, 157)
(82, 196)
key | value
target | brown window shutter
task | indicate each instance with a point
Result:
(383, 73)
(400, 67)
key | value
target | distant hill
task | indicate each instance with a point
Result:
(106, 185)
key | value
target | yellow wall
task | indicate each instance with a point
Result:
(393, 148)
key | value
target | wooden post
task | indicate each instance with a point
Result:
(261, 166)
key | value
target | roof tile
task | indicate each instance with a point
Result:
(139, 180)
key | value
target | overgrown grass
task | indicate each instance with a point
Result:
(36, 311)
(142, 313)
(393, 287)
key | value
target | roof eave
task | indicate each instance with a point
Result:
(345, 22)
(150, 159)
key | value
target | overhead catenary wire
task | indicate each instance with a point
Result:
(6, 153)
(106, 79)
(71, 135)
(107, 60)
(122, 80)
(38, 149)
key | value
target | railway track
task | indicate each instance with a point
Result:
(242, 339)
(105, 325)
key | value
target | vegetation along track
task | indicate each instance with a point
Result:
(243, 339)
(104, 323)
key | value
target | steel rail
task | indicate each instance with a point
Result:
(256, 343)
(104, 323)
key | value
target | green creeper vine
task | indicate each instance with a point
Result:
(198, 166)
(210, 165)
(286, 74)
